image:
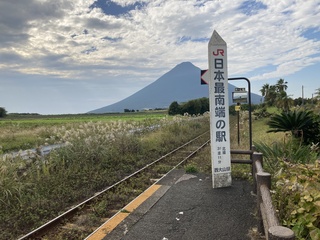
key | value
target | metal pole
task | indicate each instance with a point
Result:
(238, 125)
(250, 110)
(302, 96)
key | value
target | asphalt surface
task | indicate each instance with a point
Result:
(186, 207)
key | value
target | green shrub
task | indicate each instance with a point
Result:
(297, 198)
(3, 112)
(303, 125)
(290, 151)
(190, 168)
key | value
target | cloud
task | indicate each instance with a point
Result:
(141, 40)
(163, 31)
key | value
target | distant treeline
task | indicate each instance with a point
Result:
(126, 110)
(195, 106)
(200, 106)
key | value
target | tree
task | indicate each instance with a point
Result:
(283, 101)
(204, 105)
(269, 94)
(128, 110)
(272, 95)
(265, 89)
(192, 107)
(276, 95)
(281, 85)
(195, 106)
(3, 112)
(174, 108)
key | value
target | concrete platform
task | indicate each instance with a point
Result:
(185, 206)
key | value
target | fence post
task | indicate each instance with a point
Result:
(280, 233)
(268, 222)
(253, 150)
(263, 178)
(257, 160)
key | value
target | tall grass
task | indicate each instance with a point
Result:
(30, 131)
(97, 155)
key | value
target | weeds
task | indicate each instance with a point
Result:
(190, 168)
(96, 155)
(297, 198)
(287, 151)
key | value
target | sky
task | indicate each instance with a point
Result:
(74, 56)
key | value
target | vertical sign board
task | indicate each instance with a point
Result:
(219, 112)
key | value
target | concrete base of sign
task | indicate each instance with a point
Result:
(222, 180)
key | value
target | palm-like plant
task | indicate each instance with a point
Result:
(269, 92)
(317, 93)
(283, 101)
(265, 89)
(282, 85)
(276, 95)
(294, 121)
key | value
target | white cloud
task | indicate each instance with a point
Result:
(150, 36)
(68, 39)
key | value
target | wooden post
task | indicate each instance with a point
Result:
(257, 159)
(253, 150)
(263, 182)
(254, 172)
(268, 220)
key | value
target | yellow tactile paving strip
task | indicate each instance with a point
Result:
(108, 226)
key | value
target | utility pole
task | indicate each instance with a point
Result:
(302, 96)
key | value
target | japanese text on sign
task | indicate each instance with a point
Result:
(217, 77)
(221, 121)
(220, 95)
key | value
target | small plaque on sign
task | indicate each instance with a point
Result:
(240, 90)
(240, 97)
(237, 108)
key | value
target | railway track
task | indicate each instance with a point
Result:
(82, 219)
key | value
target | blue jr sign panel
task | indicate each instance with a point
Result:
(219, 112)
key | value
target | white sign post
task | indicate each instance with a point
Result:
(219, 112)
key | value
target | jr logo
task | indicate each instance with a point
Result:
(219, 51)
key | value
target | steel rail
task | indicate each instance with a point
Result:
(56, 220)
(191, 154)
(177, 165)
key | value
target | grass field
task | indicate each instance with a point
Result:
(20, 132)
(32, 120)
(294, 167)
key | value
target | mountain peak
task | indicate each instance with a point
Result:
(182, 69)
(185, 65)
(181, 84)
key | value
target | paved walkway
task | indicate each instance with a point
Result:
(186, 207)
